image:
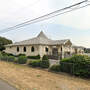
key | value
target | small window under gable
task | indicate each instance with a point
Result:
(17, 49)
(32, 49)
(24, 49)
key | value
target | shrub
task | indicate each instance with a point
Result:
(22, 59)
(15, 61)
(45, 57)
(66, 67)
(55, 68)
(8, 54)
(1, 56)
(20, 55)
(4, 58)
(78, 65)
(83, 73)
(4, 54)
(35, 63)
(11, 58)
(45, 62)
(34, 57)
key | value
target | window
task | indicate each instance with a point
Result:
(24, 49)
(61, 49)
(17, 49)
(46, 49)
(32, 49)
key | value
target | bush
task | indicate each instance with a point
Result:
(45, 62)
(4, 58)
(34, 57)
(22, 59)
(20, 55)
(11, 58)
(8, 54)
(66, 67)
(78, 65)
(1, 56)
(15, 61)
(4, 54)
(35, 63)
(45, 57)
(55, 68)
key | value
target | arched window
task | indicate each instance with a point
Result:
(32, 49)
(17, 49)
(61, 49)
(24, 49)
(46, 49)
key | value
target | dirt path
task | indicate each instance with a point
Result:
(26, 78)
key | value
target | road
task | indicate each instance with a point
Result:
(5, 86)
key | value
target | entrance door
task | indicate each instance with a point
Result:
(55, 53)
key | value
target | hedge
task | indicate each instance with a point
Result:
(45, 62)
(22, 59)
(35, 63)
(20, 55)
(34, 57)
(78, 65)
(11, 58)
(15, 61)
(4, 58)
(55, 68)
(8, 54)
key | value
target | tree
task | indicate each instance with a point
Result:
(4, 41)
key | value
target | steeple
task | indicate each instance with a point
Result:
(42, 35)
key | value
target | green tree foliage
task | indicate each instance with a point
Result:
(4, 41)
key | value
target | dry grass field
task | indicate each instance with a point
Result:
(27, 78)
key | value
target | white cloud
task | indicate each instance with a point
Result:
(13, 12)
(77, 19)
(17, 11)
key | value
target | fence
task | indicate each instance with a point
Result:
(72, 68)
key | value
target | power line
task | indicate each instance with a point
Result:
(49, 15)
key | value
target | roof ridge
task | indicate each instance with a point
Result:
(42, 35)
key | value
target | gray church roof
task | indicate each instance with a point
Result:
(74, 46)
(40, 39)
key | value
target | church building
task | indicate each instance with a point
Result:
(42, 45)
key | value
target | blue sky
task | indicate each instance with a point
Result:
(74, 25)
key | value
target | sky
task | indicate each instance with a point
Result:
(74, 25)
